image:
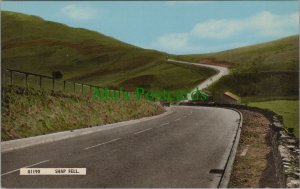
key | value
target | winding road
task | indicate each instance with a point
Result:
(222, 71)
(186, 147)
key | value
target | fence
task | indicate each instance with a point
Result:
(37, 81)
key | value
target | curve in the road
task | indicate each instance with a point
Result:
(163, 152)
(222, 71)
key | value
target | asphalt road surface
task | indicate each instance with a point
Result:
(222, 71)
(177, 150)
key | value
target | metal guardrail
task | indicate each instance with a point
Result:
(54, 87)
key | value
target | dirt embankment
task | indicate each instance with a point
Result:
(213, 61)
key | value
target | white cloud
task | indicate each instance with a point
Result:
(177, 42)
(263, 24)
(79, 13)
(216, 28)
(174, 41)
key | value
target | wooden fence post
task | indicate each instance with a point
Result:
(74, 87)
(4, 84)
(64, 85)
(11, 77)
(26, 79)
(53, 84)
(40, 81)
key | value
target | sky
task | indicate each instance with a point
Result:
(176, 27)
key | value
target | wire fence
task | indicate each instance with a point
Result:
(38, 81)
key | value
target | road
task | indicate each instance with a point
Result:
(177, 150)
(222, 71)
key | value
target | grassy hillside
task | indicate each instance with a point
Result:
(279, 55)
(32, 44)
(28, 113)
(268, 70)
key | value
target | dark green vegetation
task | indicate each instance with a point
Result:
(288, 109)
(32, 44)
(263, 85)
(31, 112)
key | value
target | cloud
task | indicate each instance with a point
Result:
(216, 28)
(177, 42)
(263, 24)
(174, 41)
(79, 13)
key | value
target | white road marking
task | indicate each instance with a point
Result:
(24, 167)
(164, 124)
(177, 119)
(184, 116)
(102, 143)
(142, 131)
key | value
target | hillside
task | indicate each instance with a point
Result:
(32, 44)
(279, 55)
(263, 71)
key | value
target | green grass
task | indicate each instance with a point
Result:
(288, 109)
(32, 44)
(278, 55)
(266, 70)
(27, 113)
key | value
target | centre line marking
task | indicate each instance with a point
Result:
(102, 143)
(142, 131)
(24, 167)
(164, 124)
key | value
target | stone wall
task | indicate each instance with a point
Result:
(286, 155)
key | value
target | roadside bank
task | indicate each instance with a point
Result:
(29, 112)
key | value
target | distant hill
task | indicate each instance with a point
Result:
(263, 71)
(279, 55)
(32, 44)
